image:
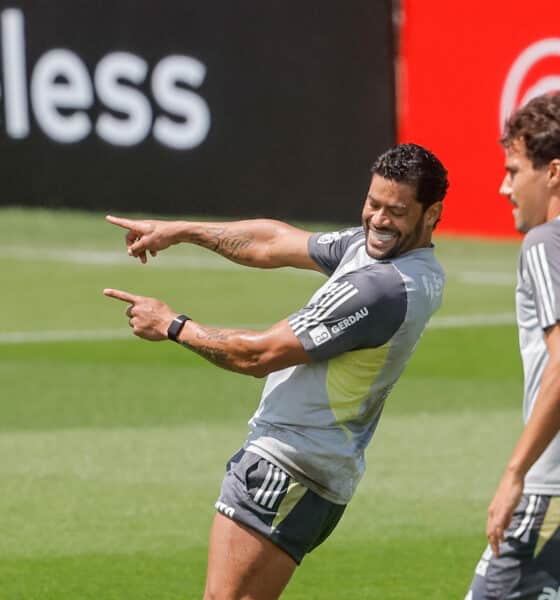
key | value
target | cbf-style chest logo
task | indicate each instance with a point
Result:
(319, 334)
(329, 238)
(535, 71)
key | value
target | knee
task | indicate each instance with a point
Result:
(210, 594)
(216, 592)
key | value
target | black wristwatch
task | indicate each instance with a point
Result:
(176, 325)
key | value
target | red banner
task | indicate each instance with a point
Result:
(464, 66)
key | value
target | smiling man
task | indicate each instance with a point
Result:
(523, 527)
(330, 365)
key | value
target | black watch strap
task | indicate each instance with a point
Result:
(176, 325)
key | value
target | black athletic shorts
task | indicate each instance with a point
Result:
(528, 567)
(265, 498)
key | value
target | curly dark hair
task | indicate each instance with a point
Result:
(416, 166)
(538, 125)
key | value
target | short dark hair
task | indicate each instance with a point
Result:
(538, 125)
(416, 166)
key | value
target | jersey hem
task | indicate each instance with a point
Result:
(320, 491)
(542, 489)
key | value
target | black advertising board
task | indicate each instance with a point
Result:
(240, 108)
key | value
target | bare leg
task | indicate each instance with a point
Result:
(244, 565)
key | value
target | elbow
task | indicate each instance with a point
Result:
(259, 367)
(257, 362)
(258, 372)
(262, 354)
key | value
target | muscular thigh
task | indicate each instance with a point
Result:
(266, 524)
(244, 565)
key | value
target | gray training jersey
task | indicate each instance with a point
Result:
(360, 329)
(538, 308)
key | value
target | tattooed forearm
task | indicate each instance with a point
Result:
(233, 246)
(223, 347)
(219, 240)
(217, 335)
(215, 355)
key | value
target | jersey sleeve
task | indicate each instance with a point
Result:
(541, 249)
(362, 309)
(327, 249)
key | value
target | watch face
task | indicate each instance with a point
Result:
(174, 329)
(176, 326)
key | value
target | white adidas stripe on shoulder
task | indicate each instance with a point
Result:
(331, 295)
(538, 268)
(548, 279)
(312, 319)
(327, 300)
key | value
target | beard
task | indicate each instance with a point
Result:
(403, 242)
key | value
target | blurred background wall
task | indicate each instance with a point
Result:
(215, 108)
(262, 109)
(463, 67)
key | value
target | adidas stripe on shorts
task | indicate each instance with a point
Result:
(265, 498)
(528, 567)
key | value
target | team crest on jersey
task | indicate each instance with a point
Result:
(320, 334)
(329, 238)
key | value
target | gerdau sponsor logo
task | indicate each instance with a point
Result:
(351, 320)
(60, 91)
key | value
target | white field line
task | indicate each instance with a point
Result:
(476, 320)
(28, 337)
(113, 258)
(62, 335)
(206, 261)
(109, 258)
(485, 277)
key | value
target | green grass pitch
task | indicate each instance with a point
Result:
(113, 449)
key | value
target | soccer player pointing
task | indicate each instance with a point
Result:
(330, 366)
(523, 527)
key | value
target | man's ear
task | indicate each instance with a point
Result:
(553, 173)
(433, 213)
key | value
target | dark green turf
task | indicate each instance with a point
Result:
(113, 450)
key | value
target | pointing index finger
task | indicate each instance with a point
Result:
(125, 223)
(120, 295)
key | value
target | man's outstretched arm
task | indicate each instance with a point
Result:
(256, 353)
(541, 428)
(262, 243)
